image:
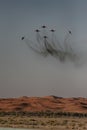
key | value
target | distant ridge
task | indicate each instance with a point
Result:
(52, 96)
(52, 103)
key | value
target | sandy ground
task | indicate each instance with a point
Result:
(62, 123)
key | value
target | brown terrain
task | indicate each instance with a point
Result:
(51, 103)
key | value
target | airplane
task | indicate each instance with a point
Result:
(52, 30)
(70, 32)
(43, 26)
(22, 38)
(37, 30)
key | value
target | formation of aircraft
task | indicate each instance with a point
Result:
(49, 46)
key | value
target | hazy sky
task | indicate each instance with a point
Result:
(22, 72)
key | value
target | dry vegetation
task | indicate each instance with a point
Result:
(61, 123)
(44, 112)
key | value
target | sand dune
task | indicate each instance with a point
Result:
(52, 103)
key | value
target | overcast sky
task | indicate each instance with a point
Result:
(24, 73)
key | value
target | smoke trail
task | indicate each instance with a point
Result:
(46, 45)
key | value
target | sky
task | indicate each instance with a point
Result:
(22, 71)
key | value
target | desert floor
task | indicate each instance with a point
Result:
(60, 123)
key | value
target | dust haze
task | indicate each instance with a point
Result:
(51, 77)
(26, 73)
